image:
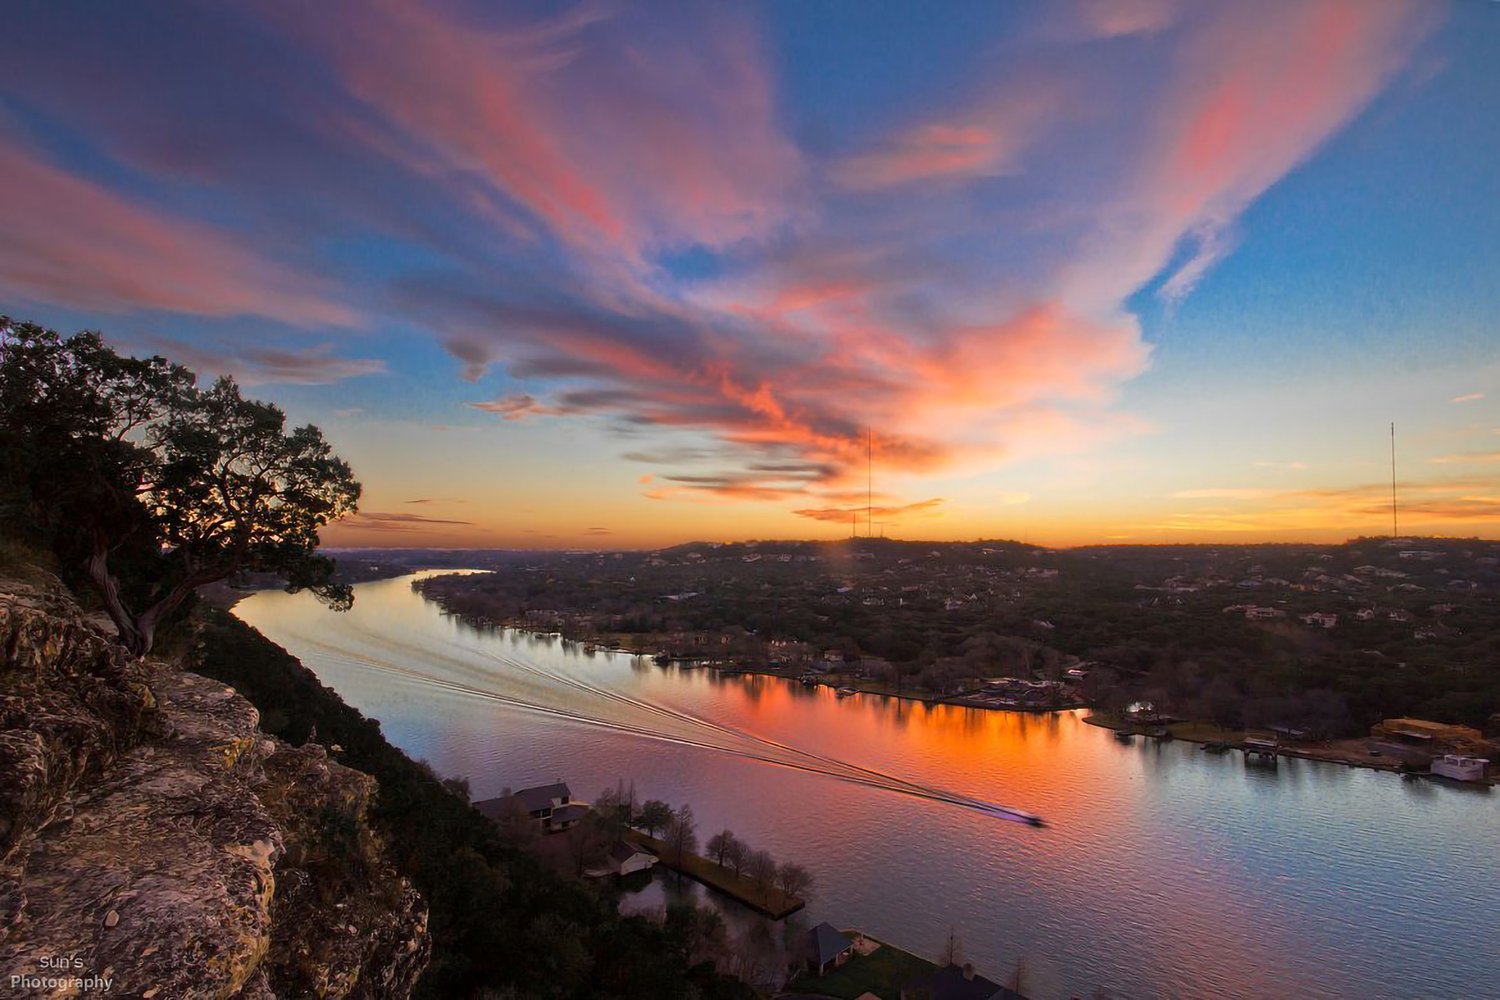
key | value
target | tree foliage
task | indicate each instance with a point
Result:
(148, 486)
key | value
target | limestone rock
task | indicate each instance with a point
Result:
(145, 827)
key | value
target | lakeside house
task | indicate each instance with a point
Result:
(550, 807)
(828, 948)
(956, 982)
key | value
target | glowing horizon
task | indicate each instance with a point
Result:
(597, 274)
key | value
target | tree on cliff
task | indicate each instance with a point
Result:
(150, 486)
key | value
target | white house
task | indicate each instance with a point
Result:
(1461, 768)
(626, 859)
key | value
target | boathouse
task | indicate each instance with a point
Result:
(828, 948)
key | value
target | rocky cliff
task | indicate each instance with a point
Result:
(155, 843)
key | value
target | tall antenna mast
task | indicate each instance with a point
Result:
(1395, 533)
(870, 481)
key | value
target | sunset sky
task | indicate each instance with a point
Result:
(627, 274)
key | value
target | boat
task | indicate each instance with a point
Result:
(1123, 737)
(809, 680)
(845, 692)
(1216, 746)
(590, 648)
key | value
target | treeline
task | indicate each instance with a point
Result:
(1431, 648)
(500, 921)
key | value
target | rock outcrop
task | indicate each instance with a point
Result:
(151, 836)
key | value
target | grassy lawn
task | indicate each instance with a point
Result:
(880, 973)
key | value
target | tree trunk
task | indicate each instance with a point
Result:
(138, 632)
(109, 592)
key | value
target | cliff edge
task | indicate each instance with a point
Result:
(155, 843)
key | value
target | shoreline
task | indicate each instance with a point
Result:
(627, 644)
(1343, 752)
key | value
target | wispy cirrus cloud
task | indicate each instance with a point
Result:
(313, 365)
(515, 407)
(884, 513)
(1468, 397)
(1439, 503)
(399, 522)
(616, 206)
(590, 124)
(70, 241)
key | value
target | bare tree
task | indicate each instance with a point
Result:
(681, 834)
(762, 868)
(720, 845)
(793, 879)
(738, 856)
(588, 843)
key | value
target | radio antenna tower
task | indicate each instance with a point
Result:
(1395, 532)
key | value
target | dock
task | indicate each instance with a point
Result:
(762, 898)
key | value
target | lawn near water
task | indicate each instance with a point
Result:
(882, 972)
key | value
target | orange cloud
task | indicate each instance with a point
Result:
(1351, 509)
(843, 515)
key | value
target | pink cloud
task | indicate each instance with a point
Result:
(1119, 18)
(516, 407)
(69, 241)
(985, 141)
(1255, 91)
(617, 135)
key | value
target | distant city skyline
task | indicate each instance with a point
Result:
(603, 274)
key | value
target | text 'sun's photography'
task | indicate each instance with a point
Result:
(755, 500)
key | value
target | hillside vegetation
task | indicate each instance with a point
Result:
(501, 924)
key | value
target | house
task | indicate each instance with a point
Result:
(550, 807)
(828, 948)
(956, 983)
(626, 859)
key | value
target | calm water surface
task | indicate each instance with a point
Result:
(1163, 872)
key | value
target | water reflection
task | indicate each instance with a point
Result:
(1165, 871)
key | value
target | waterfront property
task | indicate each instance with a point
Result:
(954, 982)
(551, 808)
(624, 858)
(763, 897)
(1461, 768)
(828, 948)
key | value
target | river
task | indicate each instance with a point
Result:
(1163, 871)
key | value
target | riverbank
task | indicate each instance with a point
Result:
(1355, 752)
(649, 645)
(764, 899)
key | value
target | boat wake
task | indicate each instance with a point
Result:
(512, 682)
